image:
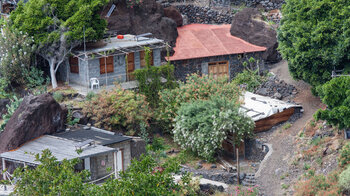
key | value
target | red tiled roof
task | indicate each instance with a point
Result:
(202, 40)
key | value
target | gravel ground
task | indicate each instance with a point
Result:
(283, 141)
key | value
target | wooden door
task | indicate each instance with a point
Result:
(218, 69)
(130, 66)
(143, 59)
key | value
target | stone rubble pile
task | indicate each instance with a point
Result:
(276, 88)
(228, 177)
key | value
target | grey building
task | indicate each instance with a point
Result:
(101, 151)
(127, 148)
(211, 49)
(62, 149)
(110, 60)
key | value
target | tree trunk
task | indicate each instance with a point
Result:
(53, 74)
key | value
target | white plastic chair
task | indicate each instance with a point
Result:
(94, 82)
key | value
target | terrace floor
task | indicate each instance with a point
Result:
(84, 90)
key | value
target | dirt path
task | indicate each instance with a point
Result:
(282, 142)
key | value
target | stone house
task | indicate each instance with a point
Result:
(110, 60)
(211, 49)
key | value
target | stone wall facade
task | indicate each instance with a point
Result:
(91, 69)
(204, 15)
(100, 164)
(217, 11)
(183, 68)
(138, 147)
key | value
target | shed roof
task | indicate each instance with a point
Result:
(259, 107)
(130, 43)
(203, 40)
(60, 148)
(100, 136)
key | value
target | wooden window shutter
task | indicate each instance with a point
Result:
(106, 62)
(74, 64)
(130, 66)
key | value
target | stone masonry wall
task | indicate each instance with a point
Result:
(204, 15)
(217, 11)
(100, 164)
(200, 66)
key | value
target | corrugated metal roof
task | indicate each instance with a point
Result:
(259, 107)
(101, 137)
(203, 40)
(61, 148)
(129, 41)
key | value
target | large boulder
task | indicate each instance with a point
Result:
(148, 17)
(249, 25)
(36, 116)
(173, 13)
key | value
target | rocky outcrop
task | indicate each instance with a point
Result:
(36, 116)
(173, 13)
(249, 25)
(148, 17)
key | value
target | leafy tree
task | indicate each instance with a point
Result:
(314, 37)
(16, 50)
(51, 177)
(147, 177)
(58, 26)
(336, 95)
(143, 177)
(203, 125)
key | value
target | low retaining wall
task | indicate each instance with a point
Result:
(204, 15)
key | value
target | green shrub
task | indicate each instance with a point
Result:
(144, 134)
(3, 87)
(150, 77)
(34, 77)
(15, 102)
(90, 95)
(344, 180)
(336, 95)
(250, 78)
(195, 88)
(318, 185)
(344, 158)
(70, 120)
(202, 125)
(118, 109)
(58, 96)
(157, 144)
